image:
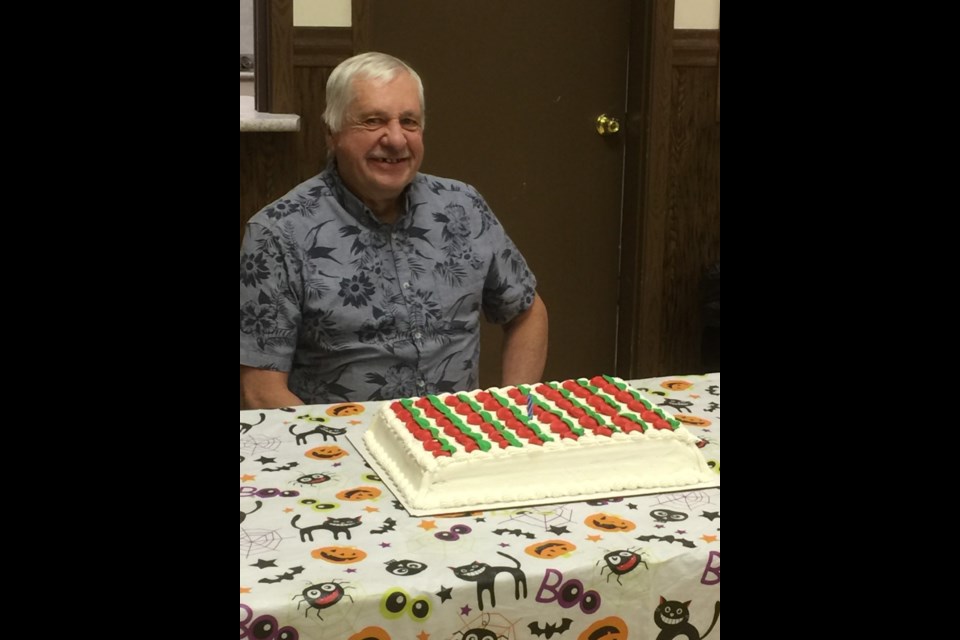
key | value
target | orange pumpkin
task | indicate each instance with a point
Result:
(345, 409)
(339, 555)
(609, 523)
(327, 452)
(550, 548)
(359, 493)
(370, 633)
(693, 421)
(612, 628)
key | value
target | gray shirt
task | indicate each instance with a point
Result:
(357, 310)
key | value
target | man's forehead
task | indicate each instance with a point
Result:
(375, 111)
(400, 83)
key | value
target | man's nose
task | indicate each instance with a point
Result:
(393, 134)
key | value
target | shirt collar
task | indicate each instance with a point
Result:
(356, 208)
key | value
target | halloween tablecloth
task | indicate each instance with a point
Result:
(327, 552)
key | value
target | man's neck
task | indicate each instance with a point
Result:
(387, 212)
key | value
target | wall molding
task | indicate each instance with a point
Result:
(696, 47)
(321, 46)
(274, 53)
(328, 46)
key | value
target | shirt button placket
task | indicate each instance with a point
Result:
(400, 249)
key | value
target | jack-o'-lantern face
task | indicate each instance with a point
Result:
(550, 548)
(330, 452)
(693, 421)
(461, 514)
(371, 633)
(612, 628)
(339, 555)
(676, 385)
(345, 409)
(609, 523)
(359, 493)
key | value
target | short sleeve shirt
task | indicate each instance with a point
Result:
(357, 310)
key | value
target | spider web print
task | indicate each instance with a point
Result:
(252, 445)
(491, 622)
(254, 542)
(543, 518)
(692, 500)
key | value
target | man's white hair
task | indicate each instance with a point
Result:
(373, 65)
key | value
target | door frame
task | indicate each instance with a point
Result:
(645, 180)
(273, 56)
(646, 177)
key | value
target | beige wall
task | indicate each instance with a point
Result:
(246, 26)
(321, 13)
(689, 14)
(696, 14)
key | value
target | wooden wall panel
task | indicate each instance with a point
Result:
(267, 170)
(311, 141)
(646, 176)
(693, 211)
(273, 163)
(686, 227)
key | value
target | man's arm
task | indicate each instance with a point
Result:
(263, 389)
(525, 345)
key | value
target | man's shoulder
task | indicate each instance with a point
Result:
(442, 187)
(305, 198)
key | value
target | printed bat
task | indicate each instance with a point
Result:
(293, 571)
(285, 467)
(548, 629)
(687, 543)
(514, 532)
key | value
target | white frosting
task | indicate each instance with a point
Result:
(561, 469)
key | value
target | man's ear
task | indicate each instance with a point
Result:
(329, 141)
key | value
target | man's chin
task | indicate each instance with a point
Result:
(392, 184)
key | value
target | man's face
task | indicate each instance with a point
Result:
(379, 149)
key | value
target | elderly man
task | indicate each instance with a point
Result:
(366, 282)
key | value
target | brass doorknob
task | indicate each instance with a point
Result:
(607, 126)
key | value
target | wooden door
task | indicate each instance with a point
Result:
(513, 90)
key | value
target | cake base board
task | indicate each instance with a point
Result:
(356, 441)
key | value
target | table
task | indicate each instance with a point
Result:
(326, 551)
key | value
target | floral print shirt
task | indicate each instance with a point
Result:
(356, 310)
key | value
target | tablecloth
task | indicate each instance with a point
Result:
(326, 551)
